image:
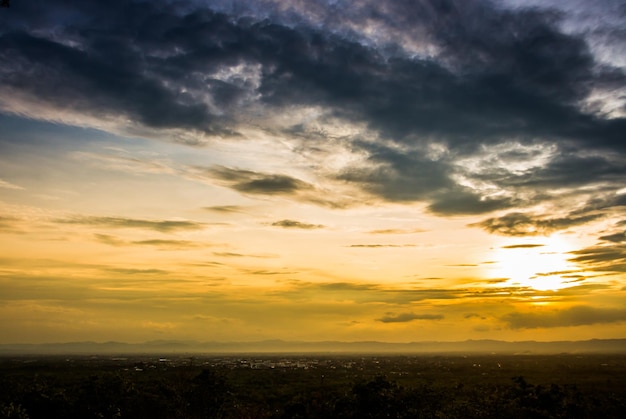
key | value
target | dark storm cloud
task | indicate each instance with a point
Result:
(408, 317)
(574, 316)
(525, 224)
(110, 82)
(296, 224)
(460, 200)
(405, 176)
(398, 175)
(569, 169)
(164, 226)
(174, 65)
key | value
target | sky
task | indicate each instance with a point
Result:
(312, 170)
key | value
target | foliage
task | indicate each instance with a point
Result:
(382, 388)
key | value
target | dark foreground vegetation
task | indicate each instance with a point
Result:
(559, 386)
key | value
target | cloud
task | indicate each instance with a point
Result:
(264, 272)
(574, 316)
(528, 224)
(474, 316)
(408, 317)
(615, 238)
(522, 246)
(422, 86)
(226, 209)
(603, 258)
(126, 163)
(164, 226)
(269, 184)
(345, 286)
(108, 239)
(257, 183)
(228, 254)
(159, 243)
(8, 185)
(383, 293)
(167, 244)
(240, 255)
(397, 231)
(131, 271)
(7, 224)
(113, 87)
(251, 182)
(375, 246)
(296, 224)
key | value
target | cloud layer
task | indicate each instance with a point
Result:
(449, 114)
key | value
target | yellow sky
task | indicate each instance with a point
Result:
(387, 171)
(101, 248)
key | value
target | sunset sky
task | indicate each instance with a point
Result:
(312, 170)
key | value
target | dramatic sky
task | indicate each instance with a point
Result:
(398, 170)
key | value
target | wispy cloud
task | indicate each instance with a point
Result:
(127, 163)
(108, 239)
(604, 258)
(574, 316)
(8, 185)
(523, 224)
(408, 317)
(251, 182)
(376, 246)
(296, 224)
(8, 224)
(226, 209)
(158, 243)
(163, 226)
(615, 237)
(464, 265)
(264, 272)
(522, 246)
(168, 244)
(396, 231)
(242, 255)
(133, 271)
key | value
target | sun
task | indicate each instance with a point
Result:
(541, 264)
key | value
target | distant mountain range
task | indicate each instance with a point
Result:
(603, 346)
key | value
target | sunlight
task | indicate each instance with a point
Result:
(539, 264)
